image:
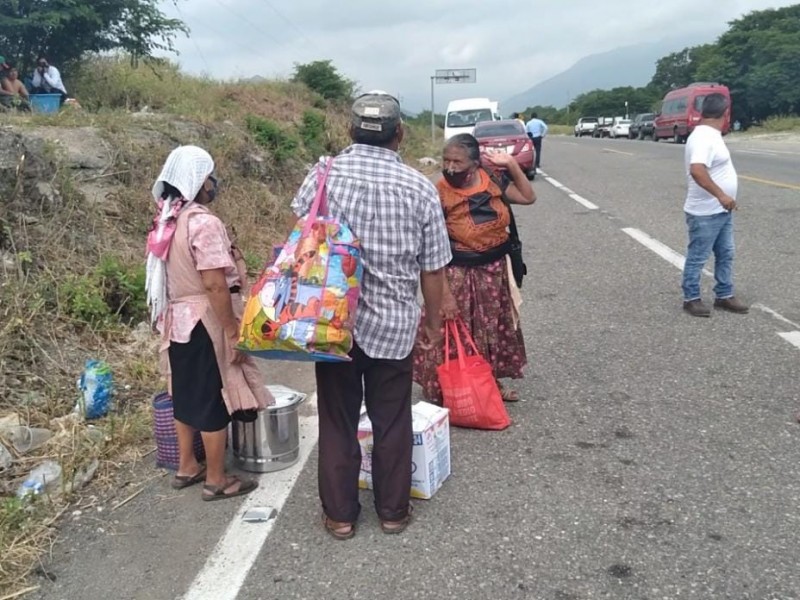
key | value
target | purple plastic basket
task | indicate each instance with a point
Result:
(167, 437)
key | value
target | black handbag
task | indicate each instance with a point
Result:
(518, 266)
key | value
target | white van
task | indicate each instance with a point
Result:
(462, 115)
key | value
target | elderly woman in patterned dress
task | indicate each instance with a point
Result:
(194, 282)
(478, 287)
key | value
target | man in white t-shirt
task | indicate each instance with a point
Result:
(710, 202)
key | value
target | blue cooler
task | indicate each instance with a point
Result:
(45, 103)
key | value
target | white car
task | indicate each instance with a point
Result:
(585, 126)
(620, 127)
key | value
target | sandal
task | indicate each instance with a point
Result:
(218, 491)
(507, 394)
(335, 528)
(180, 482)
(395, 527)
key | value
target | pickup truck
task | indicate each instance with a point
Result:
(585, 126)
(642, 126)
(603, 128)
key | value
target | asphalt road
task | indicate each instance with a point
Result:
(655, 455)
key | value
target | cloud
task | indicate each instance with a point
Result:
(397, 46)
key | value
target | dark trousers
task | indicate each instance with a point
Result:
(385, 386)
(537, 145)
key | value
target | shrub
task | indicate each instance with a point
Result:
(111, 293)
(312, 132)
(268, 134)
(322, 77)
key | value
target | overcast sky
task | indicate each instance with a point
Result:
(397, 45)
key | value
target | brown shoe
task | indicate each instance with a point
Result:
(732, 305)
(696, 308)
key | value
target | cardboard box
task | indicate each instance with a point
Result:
(430, 459)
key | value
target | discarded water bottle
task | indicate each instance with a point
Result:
(97, 384)
(46, 478)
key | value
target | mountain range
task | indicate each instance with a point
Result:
(625, 66)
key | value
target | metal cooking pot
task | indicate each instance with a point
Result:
(272, 441)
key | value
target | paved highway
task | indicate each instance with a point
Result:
(655, 455)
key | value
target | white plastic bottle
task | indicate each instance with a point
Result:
(46, 478)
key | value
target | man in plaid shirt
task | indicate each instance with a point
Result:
(396, 214)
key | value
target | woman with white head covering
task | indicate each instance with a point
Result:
(194, 282)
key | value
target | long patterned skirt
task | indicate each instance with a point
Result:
(485, 304)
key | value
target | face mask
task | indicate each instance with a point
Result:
(457, 180)
(212, 193)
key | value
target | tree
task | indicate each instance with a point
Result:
(66, 29)
(758, 58)
(679, 69)
(610, 103)
(549, 114)
(322, 77)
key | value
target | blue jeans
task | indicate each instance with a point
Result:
(713, 233)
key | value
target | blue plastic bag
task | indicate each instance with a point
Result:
(97, 385)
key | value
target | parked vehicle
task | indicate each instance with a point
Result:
(620, 127)
(681, 111)
(509, 137)
(603, 128)
(641, 126)
(585, 126)
(462, 115)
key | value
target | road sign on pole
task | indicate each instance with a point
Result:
(448, 76)
(456, 75)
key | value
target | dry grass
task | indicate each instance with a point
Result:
(65, 257)
(560, 129)
(785, 124)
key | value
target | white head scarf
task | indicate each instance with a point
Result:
(186, 168)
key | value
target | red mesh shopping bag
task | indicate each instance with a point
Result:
(469, 389)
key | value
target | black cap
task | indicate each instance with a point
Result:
(376, 111)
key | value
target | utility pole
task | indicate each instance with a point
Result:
(433, 112)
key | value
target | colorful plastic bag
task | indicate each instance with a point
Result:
(469, 389)
(303, 306)
(96, 385)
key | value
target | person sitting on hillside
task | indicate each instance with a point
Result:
(5, 97)
(14, 89)
(47, 79)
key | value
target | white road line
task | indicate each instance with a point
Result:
(793, 337)
(584, 202)
(554, 183)
(772, 313)
(664, 251)
(678, 260)
(579, 199)
(674, 258)
(226, 569)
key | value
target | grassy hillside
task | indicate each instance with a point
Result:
(75, 206)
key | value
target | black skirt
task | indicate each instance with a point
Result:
(196, 383)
